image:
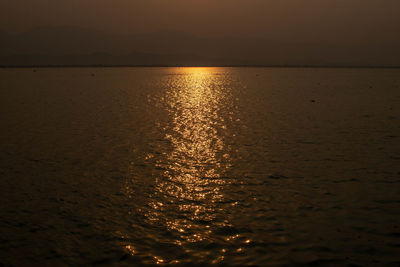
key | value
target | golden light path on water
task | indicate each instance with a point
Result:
(199, 103)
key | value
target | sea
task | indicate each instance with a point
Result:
(238, 166)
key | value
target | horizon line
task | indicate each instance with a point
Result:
(199, 65)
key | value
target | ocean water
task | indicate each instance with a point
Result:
(225, 166)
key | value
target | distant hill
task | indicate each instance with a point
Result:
(78, 46)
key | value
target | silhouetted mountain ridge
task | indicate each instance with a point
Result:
(80, 46)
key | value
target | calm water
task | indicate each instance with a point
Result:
(235, 166)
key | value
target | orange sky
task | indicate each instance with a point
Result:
(304, 20)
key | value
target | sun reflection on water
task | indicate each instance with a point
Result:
(194, 169)
(191, 173)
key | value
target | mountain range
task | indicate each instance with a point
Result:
(79, 46)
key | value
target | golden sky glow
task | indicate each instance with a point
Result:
(287, 19)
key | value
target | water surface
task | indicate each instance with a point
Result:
(235, 166)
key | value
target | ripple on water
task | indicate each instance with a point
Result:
(149, 166)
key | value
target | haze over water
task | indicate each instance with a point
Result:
(235, 166)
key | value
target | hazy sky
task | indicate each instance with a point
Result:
(351, 20)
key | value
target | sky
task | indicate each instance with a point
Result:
(299, 20)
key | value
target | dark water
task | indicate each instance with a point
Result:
(234, 166)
